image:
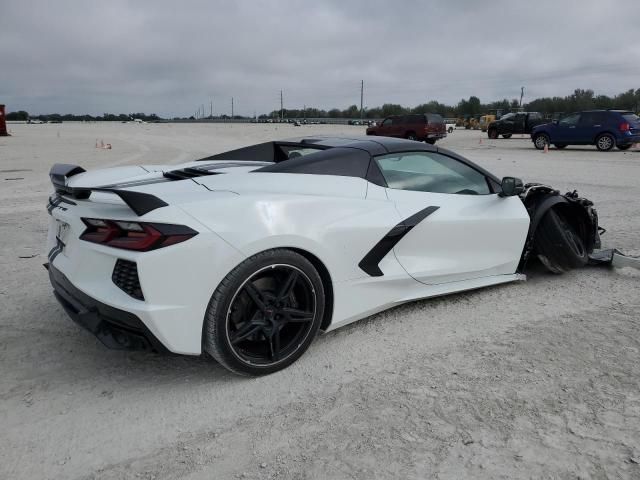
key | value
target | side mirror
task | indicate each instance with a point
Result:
(511, 186)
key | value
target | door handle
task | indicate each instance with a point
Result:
(597, 125)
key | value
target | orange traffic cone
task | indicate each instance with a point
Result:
(546, 148)
(3, 123)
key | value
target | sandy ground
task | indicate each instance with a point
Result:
(537, 379)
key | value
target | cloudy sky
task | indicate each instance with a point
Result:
(169, 57)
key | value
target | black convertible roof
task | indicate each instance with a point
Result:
(272, 151)
(345, 156)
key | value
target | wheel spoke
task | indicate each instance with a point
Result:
(293, 315)
(245, 332)
(255, 295)
(287, 286)
(274, 344)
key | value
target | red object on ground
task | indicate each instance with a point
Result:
(3, 123)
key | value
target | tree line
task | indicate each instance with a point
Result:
(550, 106)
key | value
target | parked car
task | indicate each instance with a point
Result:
(247, 254)
(520, 122)
(450, 127)
(602, 128)
(427, 127)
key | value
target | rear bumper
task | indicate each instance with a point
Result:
(436, 136)
(628, 140)
(115, 328)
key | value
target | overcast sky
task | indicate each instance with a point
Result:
(169, 57)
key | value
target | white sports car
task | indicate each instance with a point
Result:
(248, 254)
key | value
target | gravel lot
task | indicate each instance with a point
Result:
(537, 379)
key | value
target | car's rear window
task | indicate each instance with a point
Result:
(434, 118)
(631, 117)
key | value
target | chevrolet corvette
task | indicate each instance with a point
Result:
(248, 254)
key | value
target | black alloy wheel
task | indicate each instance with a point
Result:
(265, 313)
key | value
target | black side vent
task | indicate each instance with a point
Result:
(125, 276)
(186, 173)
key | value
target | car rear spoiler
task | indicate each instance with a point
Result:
(139, 202)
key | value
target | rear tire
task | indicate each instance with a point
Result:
(492, 133)
(559, 246)
(265, 313)
(540, 140)
(450, 130)
(624, 147)
(605, 142)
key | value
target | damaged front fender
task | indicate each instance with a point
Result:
(574, 234)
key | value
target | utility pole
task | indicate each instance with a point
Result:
(361, 98)
(211, 109)
(231, 108)
(304, 114)
(521, 95)
(281, 107)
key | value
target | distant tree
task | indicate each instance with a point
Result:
(19, 115)
(393, 109)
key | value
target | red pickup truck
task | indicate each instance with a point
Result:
(427, 127)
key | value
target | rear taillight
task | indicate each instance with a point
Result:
(624, 127)
(137, 236)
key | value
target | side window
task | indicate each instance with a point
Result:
(431, 172)
(415, 119)
(399, 120)
(535, 116)
(569, 120)
(386, 122)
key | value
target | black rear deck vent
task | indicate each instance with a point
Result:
(125, 276)
(186, 173)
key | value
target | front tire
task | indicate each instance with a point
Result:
(605, 142)
(450, 130)
(265, 313)
(540, 141)
(492, 133)
(559, 245)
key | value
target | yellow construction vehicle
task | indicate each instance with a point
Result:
(485, 120)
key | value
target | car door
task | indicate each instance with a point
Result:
(590, 126)
(386, 127)
(519, 123)
(460, 228)
(566, 131)
(398, 127)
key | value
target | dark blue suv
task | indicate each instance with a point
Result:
(602, 128)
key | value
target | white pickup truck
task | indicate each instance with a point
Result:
(450, 126)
